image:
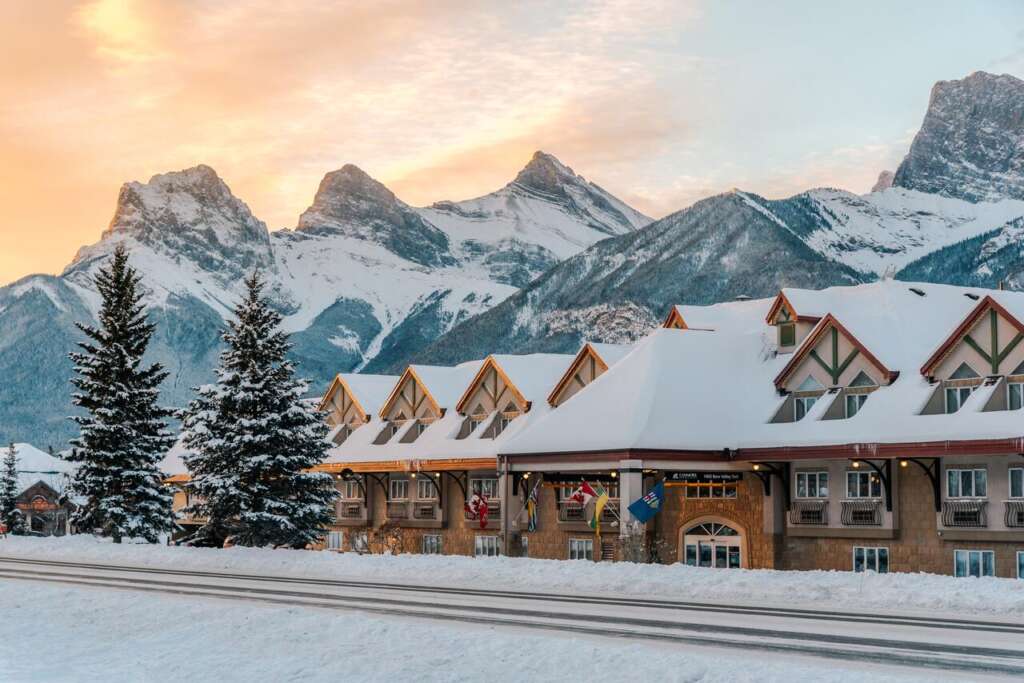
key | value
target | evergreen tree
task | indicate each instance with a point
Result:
(252, 440)
(123, 435)
(9, 514)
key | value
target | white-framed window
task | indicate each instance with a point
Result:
(581, 549)
(1015, 395)
(854, 403)
(486, 546)
(486, 487)
(398, 489)
(425, 489)
(1020, 564)
(870, 559)
(431, 544)
(335, 540)
(863, 485)
(1017, 482)
(974, 563)
(967, 483)
(359, 541)
(812, 484)
(956, 397)
(350, 490)
(802, 406)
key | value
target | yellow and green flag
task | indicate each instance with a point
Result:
(599, 503)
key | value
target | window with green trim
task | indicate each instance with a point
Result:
(787, 334)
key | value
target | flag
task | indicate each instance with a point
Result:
(602, 500)
(583, 494)
(531, 509)
(646, 507)
(476, 508)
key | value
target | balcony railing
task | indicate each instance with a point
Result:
(398, 510)
(809, 512)
(967, 514)
(351, 511)
(493, 511)
(862, 513)
(574, 512)
(1014, 513)
(426, 511)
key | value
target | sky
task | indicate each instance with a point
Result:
(662, 102)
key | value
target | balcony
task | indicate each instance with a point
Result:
(964, 514)
(426, 511)
(809, 513)
(574, 512)
(493, 511)
(862, 513)
(398, 510)
(1014, 514)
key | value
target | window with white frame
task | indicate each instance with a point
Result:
(425, 488)
(486, 546)
(974, 563)
(581, 549)
(854, 402)
(870, 559)
(802, 406)
(1017, 482)
(812, 484)
(351, 490)
(485, 487)
(398, 489)
(1015, 395)
(710, 490)
(335, 540)
(967, 483)
(863, 485)
(431, 544)
(956, 397)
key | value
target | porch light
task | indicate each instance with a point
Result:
(412, 475)
(903, 463)
(614, 474)
(856, 464)
(526, 475)
(757, 467)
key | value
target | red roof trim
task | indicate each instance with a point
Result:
(811, 342)
(964, 327)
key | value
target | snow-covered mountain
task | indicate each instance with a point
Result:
(971, 144)
(362, 278)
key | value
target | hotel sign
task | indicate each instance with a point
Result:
(704, 477)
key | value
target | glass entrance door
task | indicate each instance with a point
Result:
(712, 545)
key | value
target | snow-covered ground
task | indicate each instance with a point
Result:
(813, 589)
(56, 633)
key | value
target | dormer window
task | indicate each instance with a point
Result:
(787, 334)
(802, 404)
(502, 421)
(1015, 388)
(391, 427)
(957, 394)
(857, 393)
(470, 424)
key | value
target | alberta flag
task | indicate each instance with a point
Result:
(648, 506)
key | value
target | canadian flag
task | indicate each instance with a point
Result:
(583, 494)
(477, 508)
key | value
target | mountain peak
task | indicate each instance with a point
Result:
(971, 144)
(348, 194)
(547, 174)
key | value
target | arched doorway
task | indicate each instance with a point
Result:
(713, 544)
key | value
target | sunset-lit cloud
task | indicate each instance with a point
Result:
(660, 101)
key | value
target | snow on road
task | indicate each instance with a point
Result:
(57, 633)
(813, 589)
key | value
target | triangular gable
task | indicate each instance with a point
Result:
(587, 353)
(833, 366)
(490, 366)
(782, 302)
(674, 320)
(994, 355)
(339, 384)
(420, 393)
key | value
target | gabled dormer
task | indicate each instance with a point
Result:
(791, 328)
(350, 400)
(490, 402)
(674, 320)
(830, 364)
(984, 349)
(409, 401)
(591, 361)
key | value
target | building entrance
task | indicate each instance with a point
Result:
(712, 545)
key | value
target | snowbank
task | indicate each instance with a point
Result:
(811, 589)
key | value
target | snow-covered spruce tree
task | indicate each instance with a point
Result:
(123, 434)
(9, 515)
(252, 440)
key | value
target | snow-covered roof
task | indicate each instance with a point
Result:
(710, 389)
(611, 353)
(533, 374)
(445, 383)
(369, 391)
(36, 465)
